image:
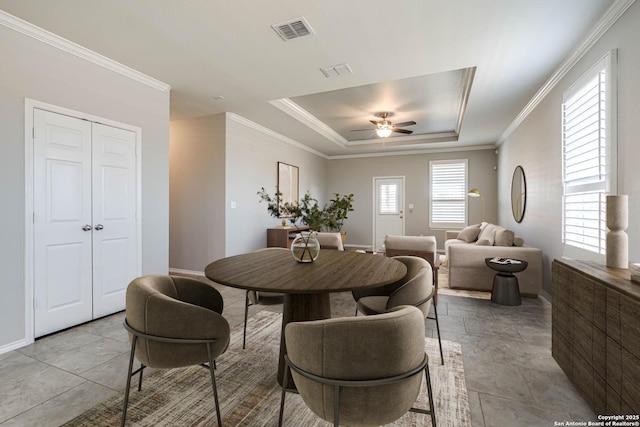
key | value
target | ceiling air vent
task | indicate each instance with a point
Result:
(293, 29)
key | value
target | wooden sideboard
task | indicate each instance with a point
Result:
(281, 237)
(596, 333)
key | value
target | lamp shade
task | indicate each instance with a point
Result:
(474, 192)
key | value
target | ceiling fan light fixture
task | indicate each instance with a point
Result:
(384, 131)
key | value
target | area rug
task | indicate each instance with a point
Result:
(250, 395)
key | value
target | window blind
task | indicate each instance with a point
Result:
(585, 161)
(448, 194)
(388, 199)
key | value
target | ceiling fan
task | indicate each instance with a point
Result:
(385, 127)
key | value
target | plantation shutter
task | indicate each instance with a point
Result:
(448, 194)
(585, 163)
(388, 199)
(589, 157)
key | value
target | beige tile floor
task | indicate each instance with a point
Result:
(511, 378)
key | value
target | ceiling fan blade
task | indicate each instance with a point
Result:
(375, 122)
(403, 124)
(358, 130)
(407, 132)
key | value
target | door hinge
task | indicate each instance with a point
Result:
(33, 132)
(35, 303)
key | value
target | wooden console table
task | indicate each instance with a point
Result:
(281, 237)
(596, 333)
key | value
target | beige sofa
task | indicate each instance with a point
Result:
(466, 251)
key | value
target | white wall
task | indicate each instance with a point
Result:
(356, 176)
(536, 145)
(197, 187)
(223, 159)
(252, 156)
(36, 70)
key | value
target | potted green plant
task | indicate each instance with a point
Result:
(278, 209)
(330, 218)
(336, 212)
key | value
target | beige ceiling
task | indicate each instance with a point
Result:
(403, 55)
(436, 102)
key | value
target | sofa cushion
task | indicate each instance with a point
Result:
(484, 242)
(503, 237)
(488, 233)
(470, 233)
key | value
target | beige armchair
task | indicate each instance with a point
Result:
(330, 240)
(174, 322)
(364, 371)
(421, 246)
(416, 289)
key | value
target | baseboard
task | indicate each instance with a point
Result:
(190, 272)
(13, 346)
(546, 295)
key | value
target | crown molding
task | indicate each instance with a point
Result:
(413, 152)
(255, 126)
(303, 116)
(68, 46)
(608, 19)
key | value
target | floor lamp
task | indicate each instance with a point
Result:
(474, 192)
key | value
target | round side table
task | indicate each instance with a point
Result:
(506, 290)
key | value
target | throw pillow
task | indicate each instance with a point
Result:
(483, 242)
(488, 232)
(518, 241)
(504, 237)
(469, 234)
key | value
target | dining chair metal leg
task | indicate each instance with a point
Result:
(128, 385)
(141, 370)
(435, 317)
(213, 385)
(246, 314)
(435, 312)
(432, 405)
(431, 411)
(336, 407)
(284, 392)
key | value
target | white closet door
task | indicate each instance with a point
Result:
(62, 208)
(114, 217)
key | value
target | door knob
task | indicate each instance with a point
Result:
(98, 227)
(87, 227)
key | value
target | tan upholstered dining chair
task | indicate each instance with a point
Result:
(174, 322)
(421, 246)
(415, 289)
(329, 240)
(361, 371)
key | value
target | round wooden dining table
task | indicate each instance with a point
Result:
(306, 285)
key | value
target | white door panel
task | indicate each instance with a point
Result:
(85, 227)
(388, 209)
(114, 217)
(62, 207)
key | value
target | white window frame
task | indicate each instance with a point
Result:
(461, 198)
(607, 183)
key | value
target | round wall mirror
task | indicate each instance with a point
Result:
(518, 194)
